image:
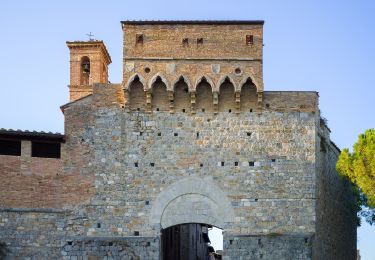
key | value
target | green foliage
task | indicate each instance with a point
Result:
(359, 167)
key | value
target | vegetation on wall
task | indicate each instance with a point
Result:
(359, 167)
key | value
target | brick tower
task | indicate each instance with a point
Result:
(88, 65)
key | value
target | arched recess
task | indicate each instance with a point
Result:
(181, 96)
(134, 77)
(204, 95)
(227, 102)
(159, 94)
(85, 71)
(192, 200)
(137, 95)
(156, 77)
(248, 96)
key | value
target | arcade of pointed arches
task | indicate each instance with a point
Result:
(158, 94)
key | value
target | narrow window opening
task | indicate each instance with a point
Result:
(136, 164)
(148, 244)
(147, 202)
(136, 233)
(222, 163)
(197, 135)
(139, 38)
(152, 164)
(110, 243)
(248, 133)
(235, 163)
(183, 110)
(159, 134)
(175, 134)
(251, 110)
(138, 109)
(256, 200)
(249, 39)
(157, 109)
(140, 133)
(185, 42)
(230, 111)
(199, 41)
(267, 105)
(98, 225)
(273, 160)
(70, 243)
(201, 165)
(203, 110)
(231, 242)
(251, 163)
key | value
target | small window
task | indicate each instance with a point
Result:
(135, 164)
(235, 163)
(222, 163)
(147, 70)
(251, 164)
(185, 42)
(139, 38)
(199, 41)
(10, 147)
(175, 134)
(249, 39)
(45, 150)
(152, 164)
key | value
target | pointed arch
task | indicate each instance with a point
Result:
(137, 94)
(185, 79)
(204, 95)
(226, 78)
(202, 78)
(227, 101)
(155, 77)
(248, 96)
(159, 95)
(133, 78)
(216, 208)
(245, 79)
(181, 95)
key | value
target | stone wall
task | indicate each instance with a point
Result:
(335, 207)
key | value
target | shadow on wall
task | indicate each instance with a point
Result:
(3, 250)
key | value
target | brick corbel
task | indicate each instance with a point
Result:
(192, 101)
(260, 100)
(171, 101)
(148, 101)
(215, 101)
(237, 96)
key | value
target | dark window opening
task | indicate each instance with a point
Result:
(157, 109)
(110, 243)
(140, 133)
(185, 42)
(230, 111)
(197, 135)
(273, 160)
(135, 164)
(70, 243)
(148, 244)
(237, 71)
(199, 41)
(222, 163)
(175, 134)
(230, 241)
(139, 38)
(136, 233)
(147, 70)
(159, 134)
(98, 225)
(138, 109)
(248, 133)
(251, 163)
(10, 147)
(183, 110)
(201, 165)
(267, 105)
(152, 164)
(256, 200)
(249, 39)
(235, 163)
(251, 110)
(45, 150)
(147, 202)
(203, 110)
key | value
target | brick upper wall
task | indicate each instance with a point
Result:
(220, 41)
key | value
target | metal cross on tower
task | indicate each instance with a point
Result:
(90, 35)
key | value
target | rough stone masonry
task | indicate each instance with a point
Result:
(189, 136)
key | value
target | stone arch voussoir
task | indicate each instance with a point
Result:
(155, 77)
(209, 81)
(132, 78)
(192, 200)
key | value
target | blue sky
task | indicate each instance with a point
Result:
(327, 46)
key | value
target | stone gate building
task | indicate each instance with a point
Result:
(189, 136)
